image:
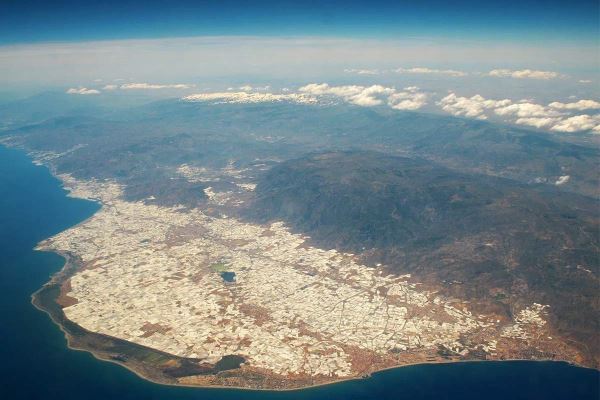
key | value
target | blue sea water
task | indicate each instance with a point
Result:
(35, 362)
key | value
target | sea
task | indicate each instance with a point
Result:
(35, 362)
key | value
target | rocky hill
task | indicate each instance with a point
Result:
(490, 240)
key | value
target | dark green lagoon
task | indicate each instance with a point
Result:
(35, 362)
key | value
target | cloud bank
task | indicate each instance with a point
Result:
(555, 116)
(472, 107)
(523, 74)
(579, 105)
(579, 123)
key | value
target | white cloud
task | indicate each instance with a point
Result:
(556, 116)
(82, 90)
(584, 81)
(537, 122)
(523, 74)
(246, 97)
(246, 88)
(371, 96)
(472, 107)
(579, 123)
(362, 71)
(110, 87)
(320, 89)
(137, 86)
(562, 180)
(527, 110)
(410, 99)
(578, 105)
(425, 70)
(359, 95)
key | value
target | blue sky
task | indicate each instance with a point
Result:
(27, 21)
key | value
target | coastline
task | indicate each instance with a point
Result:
(69, 268)
(74, 342)
(115, 350)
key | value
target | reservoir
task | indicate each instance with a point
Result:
(36, 363)
(228, 276)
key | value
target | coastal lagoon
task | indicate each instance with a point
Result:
(36, 362)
